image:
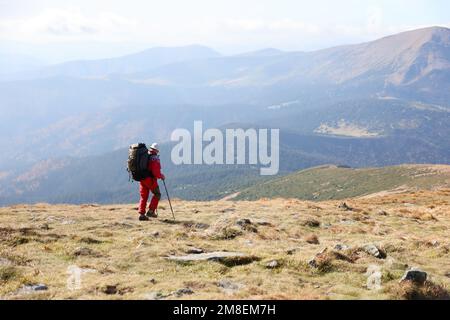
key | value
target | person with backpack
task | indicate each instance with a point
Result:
(145, 167)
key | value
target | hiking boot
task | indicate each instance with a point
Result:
(151, 214)
(143, 217)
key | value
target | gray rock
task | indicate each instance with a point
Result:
(272, 264)
(184, 291)
(341, 247)
(45, 226)
(249, 243)
(39, 287)
(155, 234)
(32, 288)
(373, 250)
(374, 281)
(263, 223)
(415, 275)
(201, 225)
(246, 224)
(155, 295)
(434, 243)
(110, 289)
(291, 251)
(5, 262)
(195, 251)
(219, 256)
(391, 263)
(229, 287)
(243, 222)
(312, 262)
(382, 213)
(83, 251)
(345, 207)
(312, 223)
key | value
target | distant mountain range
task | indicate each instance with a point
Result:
(380, 103)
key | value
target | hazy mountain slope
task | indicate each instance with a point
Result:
(331, 182)
(103, 178)
(14, 63)
(374, 104)
(148, 59)
(418, 59)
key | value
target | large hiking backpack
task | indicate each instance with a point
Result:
(138, 159)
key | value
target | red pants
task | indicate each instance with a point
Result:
(145, 187)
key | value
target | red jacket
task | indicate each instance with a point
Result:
(154, 166)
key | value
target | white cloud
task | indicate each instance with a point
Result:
(64, 24)
(375, 20)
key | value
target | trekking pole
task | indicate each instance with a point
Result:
(168, 198)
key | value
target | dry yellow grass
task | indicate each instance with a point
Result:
(125, 259)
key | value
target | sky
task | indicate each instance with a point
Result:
(55, 30)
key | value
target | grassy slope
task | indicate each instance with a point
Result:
(330, 182)
(39, 242)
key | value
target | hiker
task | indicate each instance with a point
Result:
(151, 184)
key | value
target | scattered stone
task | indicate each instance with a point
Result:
(391, 263)
(434, 243)
(110, 290)
(345, 207)
(291, 251)
(374, 251)
(83, 251)
(224, 257)
(313, 261)
(312, 239)
(155, 234)
(90, 240)
(155, 295)
(264, 223)
(312, 223)
(247, 225)
(201, 226)
(447, 274)
(382, 213)
(195, 251)
(415, 275)
(374, 276)
(341, 247)
(273, 264)
(229, 287)
(32, 288)
(5, 262)
(182, 292)
(243, 222)
(45, 226)
(249, 243)
(51, 218)
(152, 281)
(67, 222)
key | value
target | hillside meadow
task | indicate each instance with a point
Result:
(265, 249)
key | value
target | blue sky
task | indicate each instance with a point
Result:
(90, 28)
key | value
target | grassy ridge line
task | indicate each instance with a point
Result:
(336, 183)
